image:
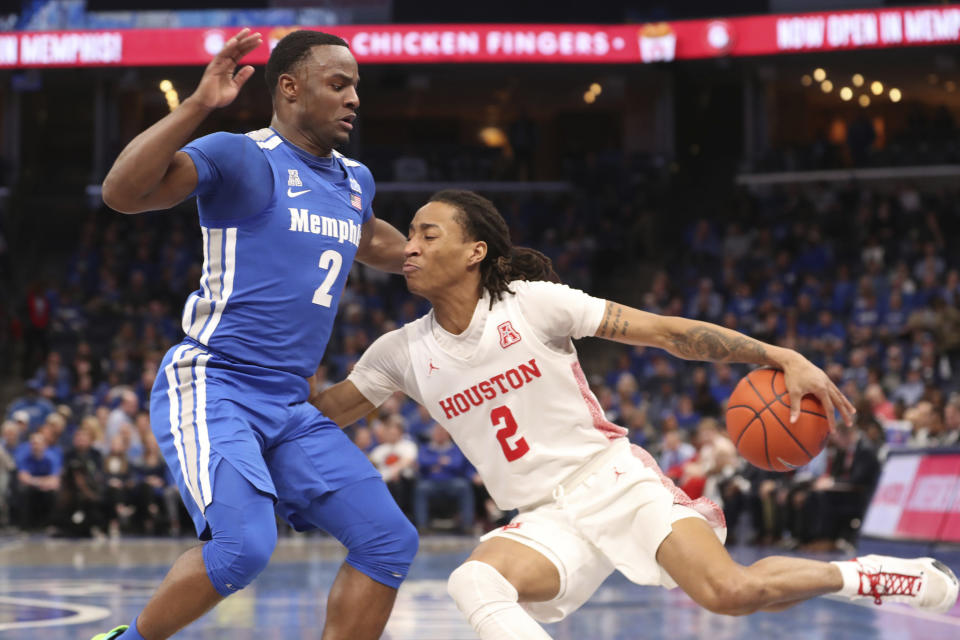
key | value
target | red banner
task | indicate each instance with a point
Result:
(930, 498)
(951, 523)
(510, 43)
(917, 498)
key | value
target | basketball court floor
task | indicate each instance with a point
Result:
(66, 589)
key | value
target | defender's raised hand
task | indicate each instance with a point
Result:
(149, 173)
(221, 80)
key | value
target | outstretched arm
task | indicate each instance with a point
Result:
(150, 173)
(342, 403)
(696, 340)
(379, 372)
(381, 246)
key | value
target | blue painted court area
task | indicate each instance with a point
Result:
(59, 590)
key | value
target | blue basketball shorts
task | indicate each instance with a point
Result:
(205, 409)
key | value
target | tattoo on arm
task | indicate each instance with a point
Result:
(602, 331)
(613, 323)
(707, 343)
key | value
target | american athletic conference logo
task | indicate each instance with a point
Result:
(508, 335)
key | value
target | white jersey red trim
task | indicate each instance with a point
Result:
(520, 409)
(514, 406)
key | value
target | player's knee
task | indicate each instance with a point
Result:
(233, 561)
(479, 589)
(386, 558)
(259, 548)
(406, 543)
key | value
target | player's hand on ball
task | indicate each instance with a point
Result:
(802, 377)
(221, 81)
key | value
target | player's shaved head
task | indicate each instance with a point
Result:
(292, 50)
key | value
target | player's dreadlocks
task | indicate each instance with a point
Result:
(504, 262)
(293, 48)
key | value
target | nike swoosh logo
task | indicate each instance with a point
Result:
(293, 194)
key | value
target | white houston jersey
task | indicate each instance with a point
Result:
(521, 412)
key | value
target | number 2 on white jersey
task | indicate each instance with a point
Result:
(331, 260)
(515, 451)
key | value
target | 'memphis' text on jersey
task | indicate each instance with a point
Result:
(490, 388)
(306, 222)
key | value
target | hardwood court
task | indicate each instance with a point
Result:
(66, 589)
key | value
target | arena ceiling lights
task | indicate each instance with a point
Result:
(512, 43)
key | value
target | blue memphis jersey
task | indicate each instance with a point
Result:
(272, 277)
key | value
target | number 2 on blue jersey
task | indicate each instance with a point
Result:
(332, 261)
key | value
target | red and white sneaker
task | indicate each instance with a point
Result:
(923, 583)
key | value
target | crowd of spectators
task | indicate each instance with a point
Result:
(89, 339)
(858, 280)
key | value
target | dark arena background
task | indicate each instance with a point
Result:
(785, 168)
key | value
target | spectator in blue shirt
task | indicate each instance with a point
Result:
(674, 450)
(39, 482)
(806, 315)
(687, 417)
(53, 378)
(814, 255)
(419, 422)
(843, 290)
(445, 475)
(866, 309)
(623, 366)
(776, 295)
(36, 407)
(723, 383)
(53, 429)
(895, 316)
(702, 242)
(928, 287)
(705, 303)
(828, 330)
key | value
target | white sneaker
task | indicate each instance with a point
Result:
(923, 583)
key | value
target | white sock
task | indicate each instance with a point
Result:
(850, 571)
(507, 622)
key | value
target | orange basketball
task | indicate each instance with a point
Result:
(758, 421)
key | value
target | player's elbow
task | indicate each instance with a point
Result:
(114, 197)
(119, 207)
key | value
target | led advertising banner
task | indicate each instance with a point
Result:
(917, 498)
(512, 43)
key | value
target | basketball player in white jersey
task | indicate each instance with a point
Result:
(494, 363)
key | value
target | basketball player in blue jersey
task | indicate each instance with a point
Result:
(283, 216)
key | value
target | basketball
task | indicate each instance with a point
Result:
(758, 421)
